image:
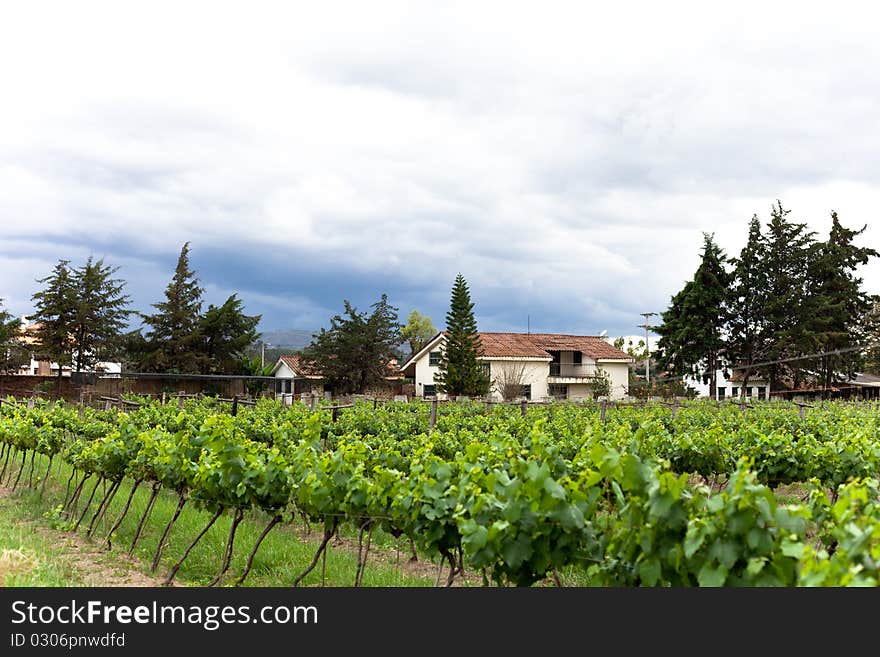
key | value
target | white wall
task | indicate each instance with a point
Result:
(722, 381)
(535, 374)
(619, 375)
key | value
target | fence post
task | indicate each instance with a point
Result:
(180, 399)
(674, 410)
(107, 404)
(433, 412)
(523, 405)
(163, 398)
(334, 415)
(801, 411)
(234, 405)
(314, 402)
(30, 403)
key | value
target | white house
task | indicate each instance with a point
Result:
(548, 364)
(295, 378)
(730, 385)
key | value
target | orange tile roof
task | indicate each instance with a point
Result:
(537, 345)
(295, 363)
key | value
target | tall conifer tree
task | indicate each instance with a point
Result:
(174, 341)
(787, 246)
(692, 338)
(835, 302)
(745, 302)
(460, 373)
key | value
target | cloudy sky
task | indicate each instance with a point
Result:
(564, 157)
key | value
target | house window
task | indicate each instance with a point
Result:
(558, 391)
(748, 392)
(430, 390)
(526, 391)
(487, 368)
(762, 392)
(721, 392)
(577, 357)
(434, 358)
(734, 392)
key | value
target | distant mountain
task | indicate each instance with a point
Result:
(293, 339)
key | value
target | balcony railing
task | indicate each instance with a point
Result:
(574, 371)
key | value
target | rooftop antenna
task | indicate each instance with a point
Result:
(529, 324)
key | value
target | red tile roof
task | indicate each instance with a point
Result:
(295, 363)
(537, 345)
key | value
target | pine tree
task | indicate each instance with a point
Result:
(692, 338)
(175, 340)
(100, 314)
(55, 314)
(460, 372)
(353, 355)
(787, 247)
(226, 333)
(745, 302)
(835, 302)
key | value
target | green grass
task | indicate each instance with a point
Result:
(28, 558)
(282, 556)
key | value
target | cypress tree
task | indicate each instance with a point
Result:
(745, 303)
(174, 341)
(460, 373)
(787, 247)
(836, 304)
(55, 312)
(692, 339)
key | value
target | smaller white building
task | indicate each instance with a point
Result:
(730, 385)
(544, 365)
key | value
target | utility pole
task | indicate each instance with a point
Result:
(646, 326)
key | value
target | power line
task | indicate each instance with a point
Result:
(818, 354)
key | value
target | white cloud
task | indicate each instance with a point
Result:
(558, 153)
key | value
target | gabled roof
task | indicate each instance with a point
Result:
(534, 346)
(538, 345)
(295, 363)
(301, 369)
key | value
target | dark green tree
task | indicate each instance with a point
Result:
(692, 337)
(226, 334)
(55, 315)
(174, 339)
(12, 353)
(836, 303)
(354, 354)
(746, 331)
(100, 314)
(787, 246)
(460, 372)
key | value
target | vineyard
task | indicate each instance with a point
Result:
(637, 496)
